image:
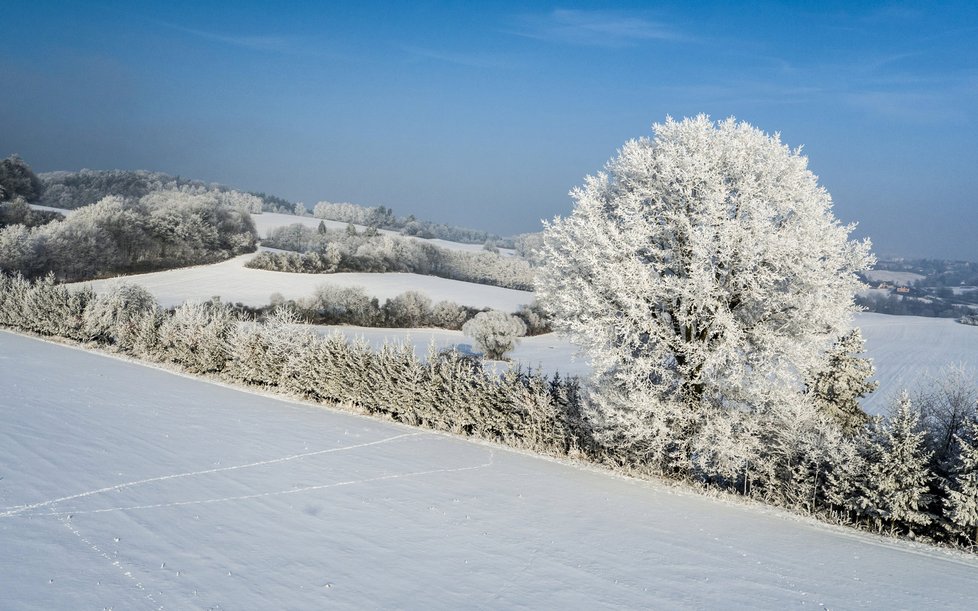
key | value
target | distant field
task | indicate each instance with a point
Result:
(233, 282)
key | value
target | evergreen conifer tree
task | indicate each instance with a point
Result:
(893, 490)
(961, 506)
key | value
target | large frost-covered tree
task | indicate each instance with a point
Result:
(703, 266)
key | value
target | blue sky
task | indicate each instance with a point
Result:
(487, 114)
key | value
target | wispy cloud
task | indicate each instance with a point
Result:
(255, 42)
(471, 60)
(595, 28)
(911, 106)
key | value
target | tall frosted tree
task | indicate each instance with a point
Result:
(702, 266)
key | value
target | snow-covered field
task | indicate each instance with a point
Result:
(128, 487)
(61, 211)
(267, 221)
(908, 349)
(233, 282)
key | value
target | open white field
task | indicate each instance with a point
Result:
(907, 349)
(128, 487)
(61, 211)
(233, 282)
(267, 221)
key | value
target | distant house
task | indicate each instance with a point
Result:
(903, 289)
(884, 285)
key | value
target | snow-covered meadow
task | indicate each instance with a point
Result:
(234, 283)
(124, 486)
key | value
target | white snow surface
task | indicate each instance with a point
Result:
(129, 487)
(549, 353)
(906, 350)
(63, 211)
(233, 282)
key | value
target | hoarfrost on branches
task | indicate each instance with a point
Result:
(495, 332)
(702, 267)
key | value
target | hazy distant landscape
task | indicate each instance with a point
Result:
(508, 306)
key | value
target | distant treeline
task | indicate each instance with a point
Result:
(72, 190)
(330, 250)
(383, 217)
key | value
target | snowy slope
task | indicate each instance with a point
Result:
(549, 353)
(61, 211)
(233, 282)
(906, 349)
(129, 487)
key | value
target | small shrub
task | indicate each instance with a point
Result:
(495, 332)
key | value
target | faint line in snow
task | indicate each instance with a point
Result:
(246, 497)
(18, 509)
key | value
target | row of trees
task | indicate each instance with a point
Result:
(351, 305)
(330, 250)
(382, 217)
(914, 473)
(72, 190)
(160, 230)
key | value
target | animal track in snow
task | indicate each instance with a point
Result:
(19, 509)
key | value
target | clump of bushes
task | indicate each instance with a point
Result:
(329, 250)
(161, 230)
(350, 305)
(495, 332)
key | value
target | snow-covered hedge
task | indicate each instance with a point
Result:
(329, 251)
